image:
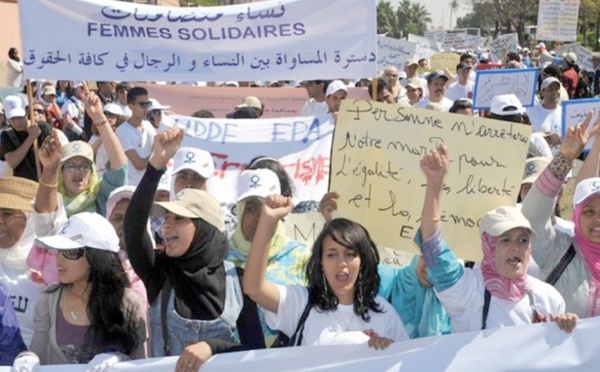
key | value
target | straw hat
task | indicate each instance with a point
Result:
(17, 193)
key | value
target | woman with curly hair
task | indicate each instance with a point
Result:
(90, 316)
(342, 286)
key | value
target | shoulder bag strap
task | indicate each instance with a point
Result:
(164, 305)
(297, 336)
(562, 265)
(486, 308)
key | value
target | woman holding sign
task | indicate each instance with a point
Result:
(501, 294)
(571, 264)
(340, 305)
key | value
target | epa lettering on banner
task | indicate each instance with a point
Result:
(301, 144)
(584, 55)
(442, 61)
(502, 45)
(489, 83)
(270, 40)
(574, 111)
(425, 47)
(393, 52)
(375, 169)
(557, 20)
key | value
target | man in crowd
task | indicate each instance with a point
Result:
(570, 78)
(436, 83)
(336, 92)
(136, 135)
(315, 104)
(463, 88)
(390, 74)
(546, 116)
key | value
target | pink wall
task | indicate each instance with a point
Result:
(10, 34)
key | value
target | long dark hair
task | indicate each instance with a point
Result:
(12, 54)
(113, 322)
(353, 236)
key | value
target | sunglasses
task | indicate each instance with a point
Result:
(73, 254)
(144, 105)
(109, 115)
(38, 111)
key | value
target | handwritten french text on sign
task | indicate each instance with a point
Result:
(375, 169)
(584, 55)
(393, 52)
(441, 61)
(503, 44)
(574, 111)
(489, 83)
(425, 47)
(271, 40)
(302, 145)
(557, 20)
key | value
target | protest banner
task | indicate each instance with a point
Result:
(436, 36)
(455, 39)
(557, 20)
(279, 102)
(501, 45)
(574, 111)
(375, 169)
(271, 40)
(536, 347)
(393, 52)
(425, 47)
(584, 55)
(442, 61)
(489, 83)
(301, 144)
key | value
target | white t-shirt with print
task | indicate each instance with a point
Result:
(456, 91)
(543, 120)
(445, 103)
(138, 139)
(339, 327)
(464, 303)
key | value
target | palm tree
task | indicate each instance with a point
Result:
(453, 9)
(419, 18)
(387, 23)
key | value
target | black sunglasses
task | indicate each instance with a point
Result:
(73, 254)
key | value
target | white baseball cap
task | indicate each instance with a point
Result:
(258, 183)
(550, 80)
(585, 189)
(114, 109)
(118, 194)
(334, 86)
(502, 102)
(192, 158)
(13, 107)
(155, 105)
(500, 220)
(82, 230)
(533, 168)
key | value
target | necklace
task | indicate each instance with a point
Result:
(71, 311)
(345, 325)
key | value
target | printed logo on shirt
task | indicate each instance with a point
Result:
(20, 303)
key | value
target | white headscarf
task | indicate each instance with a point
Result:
(14, 257)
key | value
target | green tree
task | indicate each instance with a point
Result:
(454, 5)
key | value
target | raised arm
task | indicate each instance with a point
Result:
(591, 165)
(261, 291)
(46, 199)
(435, 166)
(116, 155)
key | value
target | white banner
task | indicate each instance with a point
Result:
(532, 348)
(455, 40)
(584, 55)
(574, 111)
(557, 20)
(270, 40)
(394, 52)
(425, 47)
(521, 82)
(503, 44)
(301, 144)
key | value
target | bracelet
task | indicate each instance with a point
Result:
(48, 185)
(434, 219)
(101, 123)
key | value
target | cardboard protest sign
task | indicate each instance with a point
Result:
(503, 44)
(557, 20)
(574, 111)
(425, 47)
(375, 169)
(441, 61)
(140, 42)
(489, 83)
(393, 52)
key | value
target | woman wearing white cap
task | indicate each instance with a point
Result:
(90, 316)
(197, 305)
(287, 257)
(571, 263)
(501, 294)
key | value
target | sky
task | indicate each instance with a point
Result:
(440, 15)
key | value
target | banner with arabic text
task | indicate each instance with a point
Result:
(270, 40)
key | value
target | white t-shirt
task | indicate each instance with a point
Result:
(464, 303)
(125, 108)
(138, 139)
(456, 91)
(74, 107)
(14, 73)
(541, 145)
(313, 108)
(339, 327)
(543, 120)
(445, 103)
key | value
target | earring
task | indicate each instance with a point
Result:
(359, 296)
(326, 291)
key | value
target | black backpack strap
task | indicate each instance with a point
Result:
(164, 304)
(486, 308)
(561, 266)
(297, 336)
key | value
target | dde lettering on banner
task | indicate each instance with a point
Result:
(286, 41)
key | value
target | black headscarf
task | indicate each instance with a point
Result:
(198, 276)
